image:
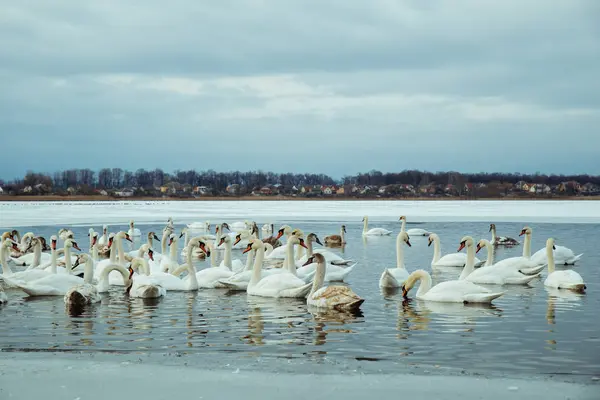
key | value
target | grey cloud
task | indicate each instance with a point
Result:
(328, 86)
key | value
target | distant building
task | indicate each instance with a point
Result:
(124, 193)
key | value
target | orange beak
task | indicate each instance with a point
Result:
(478, 248)
(247, 249)
(75, 246)
(279, 234)
(462, 246)
(238, 239)
(170, 241)
(151, 255)
(302, 243)
(94, 240)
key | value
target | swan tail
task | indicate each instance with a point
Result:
(387, 280)
(301, 291)
(523, 280)
(353, 306)
(573, 260)
(481, 297)
(341, 263)
(18, 262)
(532, 270)
(8, 283)
(234, 285)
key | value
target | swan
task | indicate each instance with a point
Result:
(413, 231)
(267, 230)
(490, 274)
(84, 293)
(133, 231)
(35, 258)
(54, 284)
(197, 252)
(143, 286)
(395, 277)
(103, 282)
(169, 263)
(567, 279)
(5, 247)
(501, 240)
(455, 291)
(34, 281)
(91, 235)
(449, 260)
(65, 234)
(562, 255)
(373, 231)
(12, 280)
(240, 280)
(522, 264)
(278, 285)
(209, 278)
(335, 273)
(103, 241)
(3, 296)
(199, 226)
(336, 240)
(117, 256)
(234, 265)
(172, 282)
(340, 298)
(239, 225)
(280, 252)
(151, 236)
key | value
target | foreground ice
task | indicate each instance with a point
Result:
(14, 214)
(35, 378)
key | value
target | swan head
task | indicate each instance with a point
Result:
(344, 228)
(298, 233)
(94, 238)
(14, 233)
(111, 239)
(365, 218)
(152, 235)
(131, 224)
(492, 227)
(315, 258)
(402, 218)
(123, 235)
(172, 238)
(550, 244)
(432, 238)
(410, 282)
(297, 240)
(80, 259)
(224, 239)
(312, 237)
(284, 230)
(405, 238)
(481, 244)
(183, 232)
(53, 241)
(72, 243)
(202, 245)
(525, 231)
(466, 241)
(225, 225)
(104, 228)
(254, 244)
(90, 231)
(33, 242)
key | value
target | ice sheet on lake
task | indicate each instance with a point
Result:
(14, 214)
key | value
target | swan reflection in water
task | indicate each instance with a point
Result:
(273, 321)
(566, 301)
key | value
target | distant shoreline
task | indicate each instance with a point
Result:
(99, 198)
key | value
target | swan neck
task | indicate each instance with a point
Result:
(550, 256)
(436, 250)
(121, 251)
(37, 255)
(258, 262)
(493, 235)
(309, 252)
(163, 243)
(227, 260)
(403, 226)
(425, 285)
(490, 254)
(5, 267)
(88, 271)
(527, 246)
(319, 278)
(470, 265)
(399, 253)
(113, 267)
(68, 264)
(342, 235)
(249, 261)
(173, 250)
(300, 252)
(95, 251)
(53, 260)
(289, 259)
(365, 225)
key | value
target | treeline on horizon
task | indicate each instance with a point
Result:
(117, 178)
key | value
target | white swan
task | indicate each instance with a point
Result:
(489, 274)
(562, 255)
(84, 293)
(278, 285)
(336, 240)
(5, 247)
(168, 263)
(172, 282)
(103, 241)
(133, 231)
(373, 231)
(521, 264)
(449, 260)
(456, 291)
(143, 285)
(280, 252)
(335, 273)
(340, 298)
(12, 280)
(567, 279)
(115, 244)
(395, 277)
(413, 231)
(151, 237)
(209, 278)
(3, 296)
(501, 240)
(239, 225)
(266, 230)
(200, 226)
(233, 265)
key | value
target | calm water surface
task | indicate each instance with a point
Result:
(528, 330)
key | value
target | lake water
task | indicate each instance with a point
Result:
(528, 331)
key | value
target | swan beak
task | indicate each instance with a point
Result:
(110, 242)
(204, 249)
(180, 235)
(94, 240)
(429, 244)
(309, 261)
(151, 255)
(318, 241)
(490, 228)
(53, 245)
(222, 240)
(404, 292)
(128, 238)
(279, 234)
(76, 264)
(302, 243)
(462, 246)
(522, 232)
(170, 241)
(226, 227)
(408, 243)
(238, 238)
(75, 246)
(156, 237)
(247, 249)
(553, 247)
(478, 248)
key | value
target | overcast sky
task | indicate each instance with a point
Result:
(300, 85)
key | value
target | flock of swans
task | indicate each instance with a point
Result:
(273, 267)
